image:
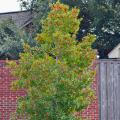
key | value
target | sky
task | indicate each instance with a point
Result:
(9, 6)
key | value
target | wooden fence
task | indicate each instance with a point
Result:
(109, 89)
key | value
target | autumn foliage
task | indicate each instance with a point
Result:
(56, 74)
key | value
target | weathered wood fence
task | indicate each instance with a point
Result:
(109, 89)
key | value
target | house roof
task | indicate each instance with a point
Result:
(118, 45)
(21, 18)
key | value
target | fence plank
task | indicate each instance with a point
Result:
(109, 89)
(116, 92)
(103, 95)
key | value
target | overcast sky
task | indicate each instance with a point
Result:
(9, 5)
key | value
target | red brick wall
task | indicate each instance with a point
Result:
(92, 111)
(8, 98)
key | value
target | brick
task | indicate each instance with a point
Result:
(8, 98)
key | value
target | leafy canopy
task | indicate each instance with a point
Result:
(101, 17)
(10, 40)
(57, 75)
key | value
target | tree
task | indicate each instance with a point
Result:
(10, 40)
(57, 75)
(106, 26)
(101, 17)
(39, 9)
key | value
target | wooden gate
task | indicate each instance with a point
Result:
(109, 89)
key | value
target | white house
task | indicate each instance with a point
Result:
(115, 53)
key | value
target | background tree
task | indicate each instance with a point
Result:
(12, 40)
(106, 27)
(39, 9)
(101, 17)
(57, 75)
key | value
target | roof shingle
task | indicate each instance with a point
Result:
(20, 18)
